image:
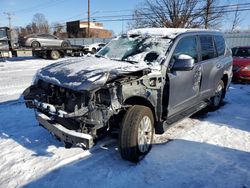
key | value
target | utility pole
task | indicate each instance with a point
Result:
(9, 15)
(122, 25)
(88, 19)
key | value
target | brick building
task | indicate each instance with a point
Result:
(79, 29)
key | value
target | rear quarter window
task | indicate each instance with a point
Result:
(207, 47)
(220, 45)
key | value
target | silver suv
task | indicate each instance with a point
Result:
(139, 84)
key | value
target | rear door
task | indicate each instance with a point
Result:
(54, 41)
(212, 53)
(184, 86)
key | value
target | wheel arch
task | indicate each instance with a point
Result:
(34, 40)
(138, 100)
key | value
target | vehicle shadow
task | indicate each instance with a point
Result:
(234, 112)
(21, 58)
(18, 123)
(179, 163)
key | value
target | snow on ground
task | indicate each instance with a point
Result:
(208, 150)
(16, 74)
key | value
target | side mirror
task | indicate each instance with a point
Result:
(183, 63)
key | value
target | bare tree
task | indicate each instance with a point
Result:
(168, 13)
(177, 13)
(57, 28)
(237, 20)
(41, 23)
(34, 27)
(211, 14)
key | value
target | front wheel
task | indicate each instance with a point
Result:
(136, 133)
(216, 100)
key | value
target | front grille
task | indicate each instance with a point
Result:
(63, 98)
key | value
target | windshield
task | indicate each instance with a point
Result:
(135, 48)
(241, 52)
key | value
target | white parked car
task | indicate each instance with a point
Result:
(93, 48)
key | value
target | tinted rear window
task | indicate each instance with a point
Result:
(207, 48)
(220, 45)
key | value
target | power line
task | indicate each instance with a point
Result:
(217, 7)
(130, 19)
(230, 8)
(40, 6)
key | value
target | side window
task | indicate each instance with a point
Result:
(49, 36)
(187, 46)
(207, 48)
(220, 45)
(242, 52)
(41, 36)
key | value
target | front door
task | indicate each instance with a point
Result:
(184, 86)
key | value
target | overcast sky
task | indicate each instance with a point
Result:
(66, 10)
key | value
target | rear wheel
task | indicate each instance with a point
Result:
(93, 51)
(35, 44)
(54, 54)
(136, 133)
(216, 100)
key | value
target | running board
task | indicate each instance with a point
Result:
(180, 116)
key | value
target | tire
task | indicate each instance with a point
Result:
(35, 44)
(134, 142)
(65, 45)
(68, 145)
(216, 101)
(93, 51)
(54, 55)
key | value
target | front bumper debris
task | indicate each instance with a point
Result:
(66, 135)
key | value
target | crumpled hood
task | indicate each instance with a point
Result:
(86, 73)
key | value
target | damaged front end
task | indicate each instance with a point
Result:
(73, 116)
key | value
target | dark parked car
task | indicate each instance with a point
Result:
(43, 40)
(241, 63)
(139, 84)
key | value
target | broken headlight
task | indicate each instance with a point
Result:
(103, 97)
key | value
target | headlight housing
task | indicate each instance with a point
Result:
(247, 67)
